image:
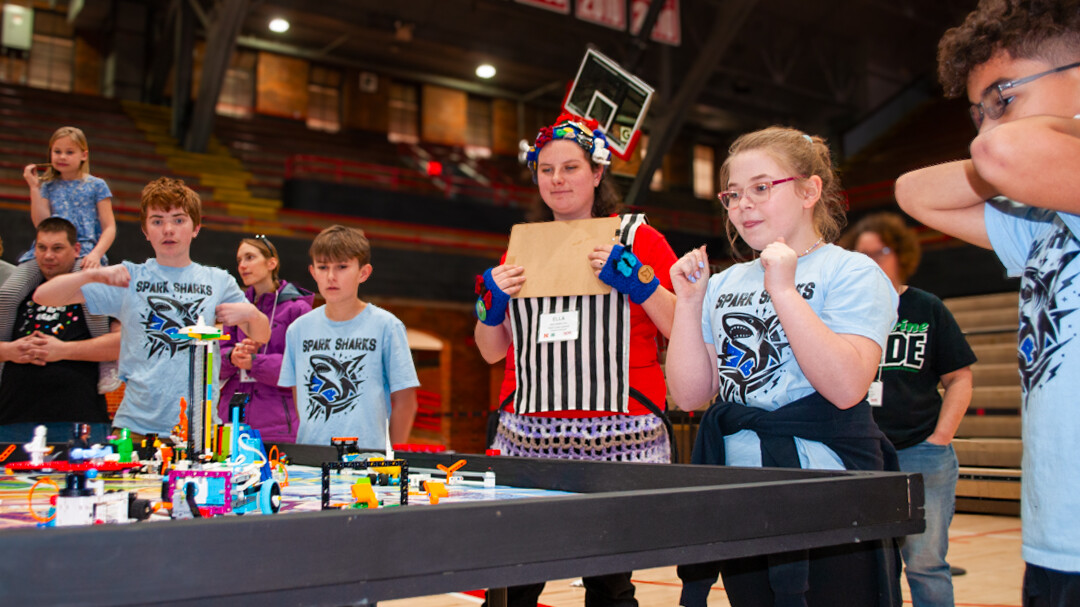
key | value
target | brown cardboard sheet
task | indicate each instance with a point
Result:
(555, 255)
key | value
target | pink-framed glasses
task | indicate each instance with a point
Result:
(756, 193)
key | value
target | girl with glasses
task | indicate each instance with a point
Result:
(251, 367)
(788, 344)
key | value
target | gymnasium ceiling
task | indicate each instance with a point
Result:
(818, 64)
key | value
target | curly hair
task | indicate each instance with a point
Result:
(1026, 29)
(804, 155)
(895, 233)
(165, 194)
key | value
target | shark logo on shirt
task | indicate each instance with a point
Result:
(333, 386)
(1041, 312)
(750, 351)
(165, 319)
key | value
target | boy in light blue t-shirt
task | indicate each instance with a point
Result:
(153, 301)
(1018, 63)
(348, 361)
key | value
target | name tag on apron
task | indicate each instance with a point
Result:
(559, 326)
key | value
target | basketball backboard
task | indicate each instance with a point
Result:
(614, 97)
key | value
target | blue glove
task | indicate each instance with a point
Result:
(625, 273)
(491, 301)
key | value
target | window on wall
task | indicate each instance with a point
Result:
(51, 61)
(478, 128)
(404, 113)
(52, 53)
(704, 171)
(324, 99)
(237, 97)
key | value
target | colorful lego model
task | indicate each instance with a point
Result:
(419, 448)
(455, 475)
(384, 476)
(82, 456)
(125, 448)
(80, 437)
(200, 403)
(346, 446)
(400, 464)
(364, 494)
(84, 501)
(450, 479)
(147, 447)
(93, 453)
(240, 485)
(278, 461)
(100, 465)
(435, 490)
(37, 447)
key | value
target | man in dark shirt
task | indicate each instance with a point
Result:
(50, 355)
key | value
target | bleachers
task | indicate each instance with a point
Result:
(263, 144)
(988, 442)
(119, 152)
(130, 146)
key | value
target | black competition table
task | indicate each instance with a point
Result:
(627, 516)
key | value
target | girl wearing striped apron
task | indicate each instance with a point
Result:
(601, 394)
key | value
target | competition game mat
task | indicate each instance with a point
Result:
(302, 494)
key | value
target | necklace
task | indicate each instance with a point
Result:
(812, 247)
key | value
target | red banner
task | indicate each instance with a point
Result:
(609, 13)
(667, 29)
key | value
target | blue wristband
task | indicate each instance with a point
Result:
(625, 273)
(491, 301)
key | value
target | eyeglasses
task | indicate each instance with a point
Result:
(756, 193)
(269, 245)
(882, 252)
(993, 102)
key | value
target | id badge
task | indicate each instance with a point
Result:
(245, 378)
(559, 326)
(874, 395)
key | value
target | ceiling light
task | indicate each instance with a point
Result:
(279, 25)
(485, 70)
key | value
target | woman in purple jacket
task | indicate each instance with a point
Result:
(251, 367)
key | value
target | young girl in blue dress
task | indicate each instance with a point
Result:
(789, 344)
(68, 190)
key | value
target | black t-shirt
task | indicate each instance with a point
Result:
(925, 344)
(61, 391)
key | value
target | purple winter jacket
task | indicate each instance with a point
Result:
(271, 409)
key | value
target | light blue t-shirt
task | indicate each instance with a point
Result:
(76, 201)
(154, 362)
(344, 372)
(1036, 245)
(847, 291)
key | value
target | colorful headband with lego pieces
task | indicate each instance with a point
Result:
(585, 133)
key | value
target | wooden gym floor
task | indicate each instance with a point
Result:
(987, 546)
